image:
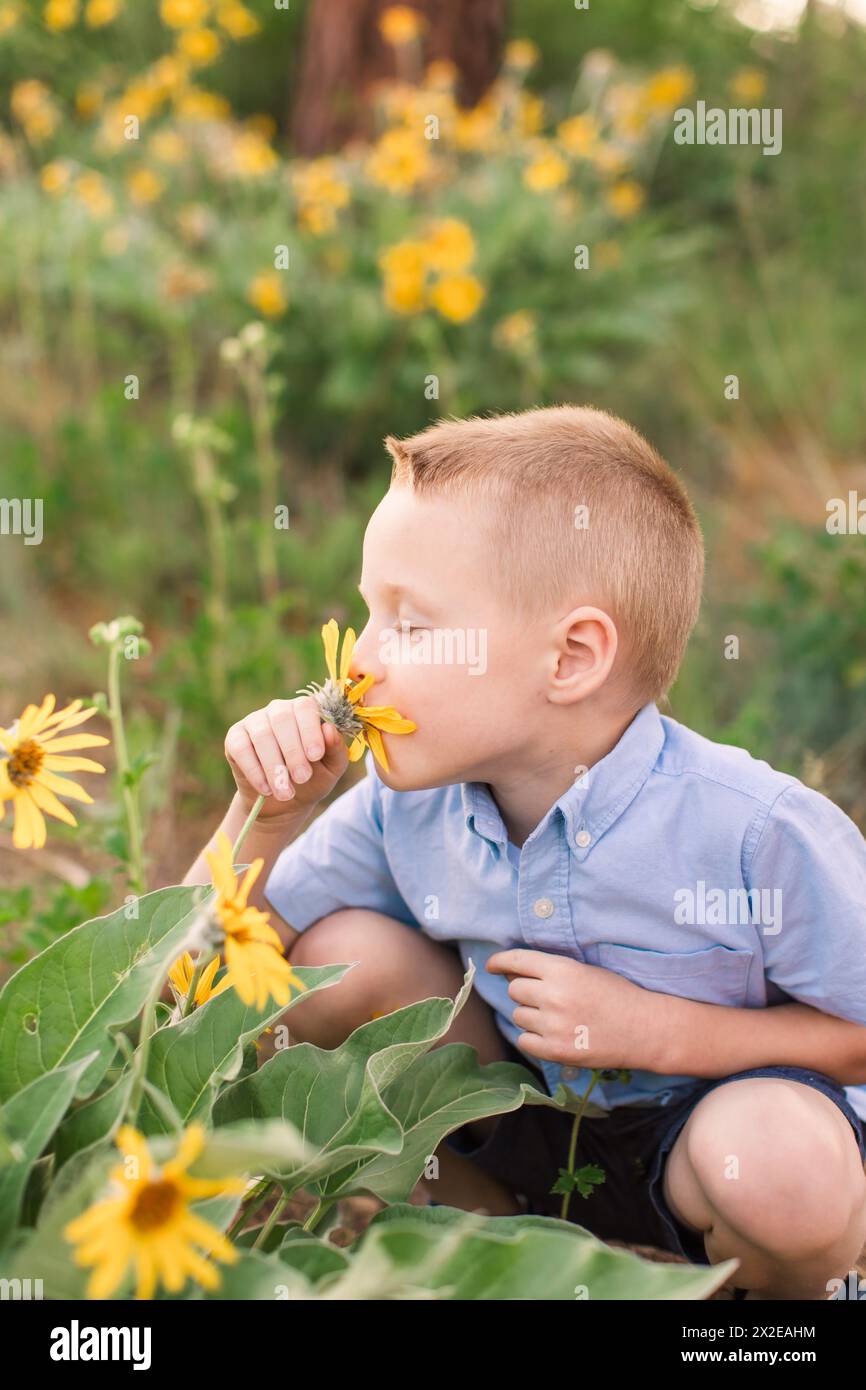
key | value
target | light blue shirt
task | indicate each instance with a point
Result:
(687, 866)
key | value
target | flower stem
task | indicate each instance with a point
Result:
(572, 1148)
(246, 827)
(270, 1223)
(128, 791)
(319, 1212)
(139, 1064)
(251, 1198)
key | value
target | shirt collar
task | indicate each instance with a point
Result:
(594, 800)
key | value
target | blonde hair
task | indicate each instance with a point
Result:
(637, 550)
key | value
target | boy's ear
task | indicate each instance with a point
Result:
(398, 454)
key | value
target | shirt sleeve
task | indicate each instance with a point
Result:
(810, 865)
(338, 861)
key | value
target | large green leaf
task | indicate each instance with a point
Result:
(92, 1120)
(65, 1002)
(272, 1146)
(29, 1119)
(376, 1107)
(457, 1255)
(189, 1060)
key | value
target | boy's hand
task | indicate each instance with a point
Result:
(579, 1015)
(287, 753)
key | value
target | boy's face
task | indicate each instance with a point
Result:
(446, 653)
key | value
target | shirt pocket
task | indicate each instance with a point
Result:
(713, 975)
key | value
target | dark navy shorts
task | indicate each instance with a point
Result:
(528, 1147)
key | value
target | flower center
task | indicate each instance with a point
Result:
(24, 763)
(155, 1204)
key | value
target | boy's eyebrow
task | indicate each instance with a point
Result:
(398, 591)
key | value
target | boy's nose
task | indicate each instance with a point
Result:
(365, 657)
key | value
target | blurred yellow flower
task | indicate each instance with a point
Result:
(547, 170)
(266, 294)
(450, 245)
(608, 159)
(666, 89)
(93, 192)
(404, 258)
(457, 297)
(31, 756)
(399, 160)
(320, 182)
(405, 292)
(237, 20)
(168, 147)
(316, 218)
(441, 74)
(196, 222)
(399, 24)
(101, 12)
(195, 104)
(521, 53)
(60, 14)
(10, 15)
(579, 135)
(478, 128)
(168, 74)
(88, 99)
(749, 84)
(144, 186)
(54, 177)
(183, 14)
(32, 105)
(625, 198)
(252, 155)
(529, 113)
(516, 332)
(201, 46)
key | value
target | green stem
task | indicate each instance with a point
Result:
(319, 1212)
(246, 827)
(139, 1065)
(129, 793)
(269, 471)
(572, 1148)
(270, 1223)
(253, 1196)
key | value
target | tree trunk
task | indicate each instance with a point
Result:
(344, 54)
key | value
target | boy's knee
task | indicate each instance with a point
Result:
(333, 938)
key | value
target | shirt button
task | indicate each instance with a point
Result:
(583, 838)
(543, 907)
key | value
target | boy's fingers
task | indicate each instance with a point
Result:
(517, 962)
(309, 723)
(242, 756)
(268, 753)
(284, 727)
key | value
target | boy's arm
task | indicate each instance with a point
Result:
(713, 1040)
(812, 858)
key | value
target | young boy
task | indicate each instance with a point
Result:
(633, 895)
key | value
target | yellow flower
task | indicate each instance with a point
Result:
(399, 160)
(547, 170)
(238, 21)
(168, 75)
(168, 147)
(610, 160)
(450, 245)
(529, 113)
(252, 155)
(255, 965)
(181, 974)
(31, 755)
(405, 293)
(101, 12)
(183, 14)
(60, 14)
(144, 186)
(521, 53)
(516, 332)
(625, 198)
(266, 294)
(668, 88)
(339, 700)
(478, 128)
(749, 84)
(319, 182)
(201, 46)
(441, 74)
(91, 189)
(147, 1221)
(579, 135)
(10, 15)
(54, 177)
(399, 24)
(457, 297)
(198, 105)
(88, 99)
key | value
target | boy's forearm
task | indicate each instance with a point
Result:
(266, 840)
(712, 1040)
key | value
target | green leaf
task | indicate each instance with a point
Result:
(94, 1119)
(270, 1147)
(29, 1119)
(376, 1107)
(189, 1060)
(64, 1003)
(583, 1180)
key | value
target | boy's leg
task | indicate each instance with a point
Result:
(768, 1169)
(399, 965)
